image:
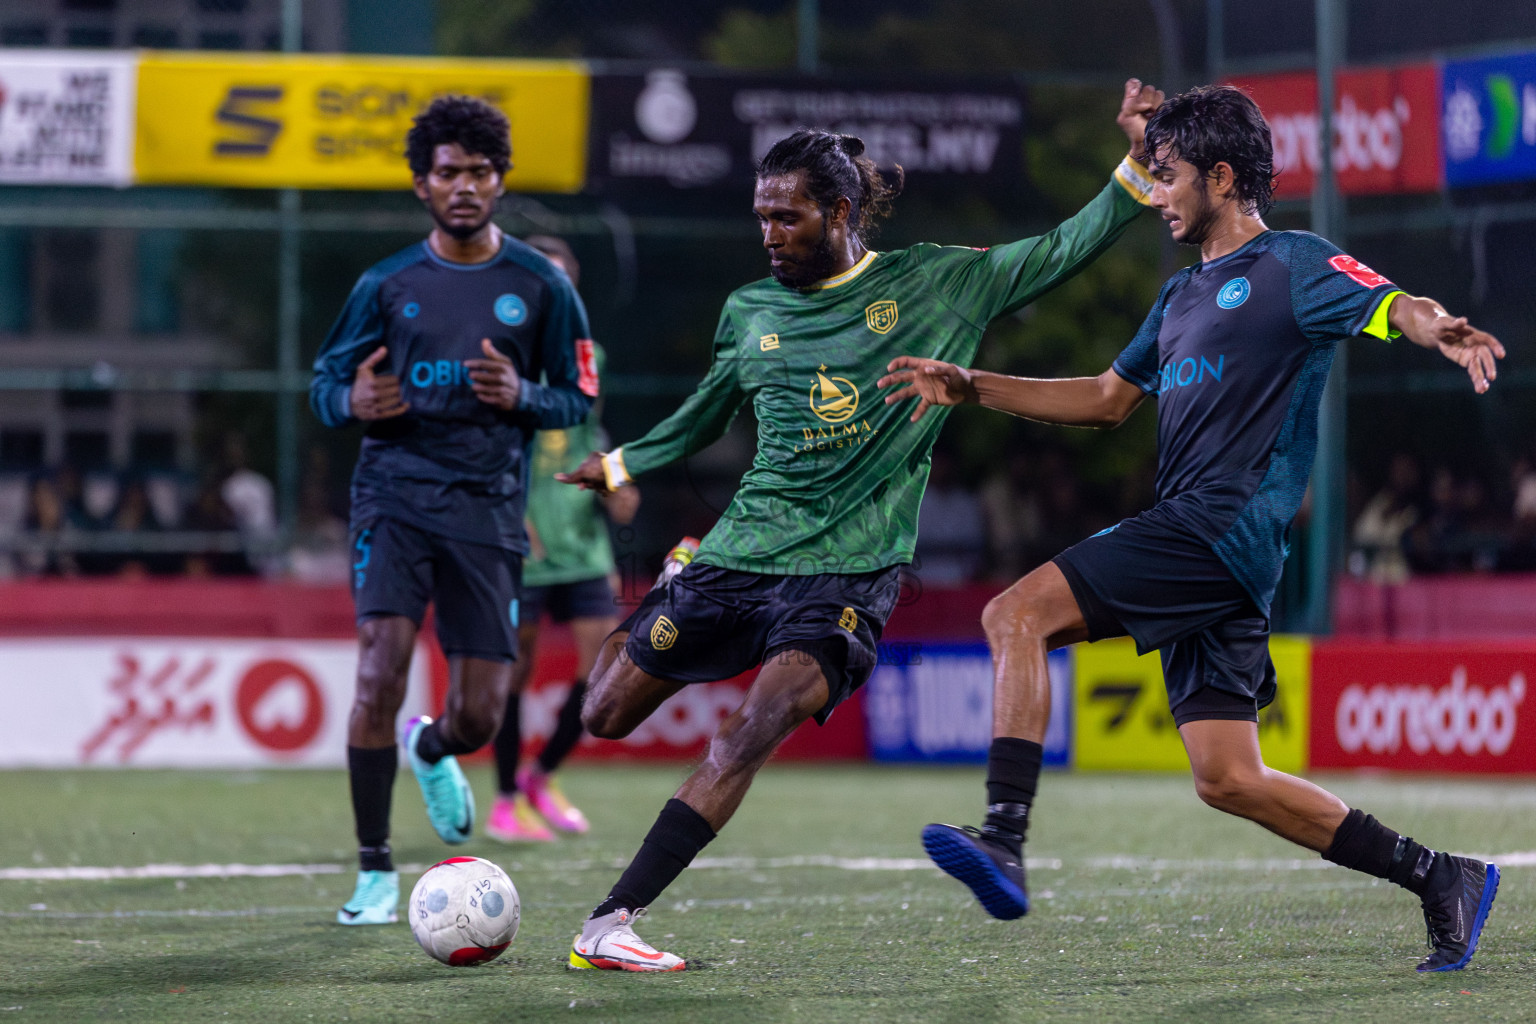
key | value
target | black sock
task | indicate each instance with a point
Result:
(372, 774)
(1365, 844)
(677, 837)
(509, 745)
(432, 746)
(1013, 774)
(567, 730)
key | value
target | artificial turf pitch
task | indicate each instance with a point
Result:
(814, 905)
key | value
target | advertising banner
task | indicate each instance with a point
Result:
(1490, 120)
(66, 117)
(935, 704)
(183, 703)
(1423, 707)
(668, 128)
(266, 121)
(1123, 722)
(1386, 129)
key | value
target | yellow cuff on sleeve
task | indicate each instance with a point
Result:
(614, 471)
(1378, 327)
(1136, 180)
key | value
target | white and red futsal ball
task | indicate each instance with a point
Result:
(464, 910)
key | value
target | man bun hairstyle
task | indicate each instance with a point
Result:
(474, 124)
(836, 168)
(1212, 124)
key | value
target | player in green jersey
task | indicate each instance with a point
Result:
(566, 576)
(801, 572)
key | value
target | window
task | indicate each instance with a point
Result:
(68, 276)
(34, 34)
(156, 37)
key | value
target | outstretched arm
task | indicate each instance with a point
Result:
(1425, 322)
(1102, 401)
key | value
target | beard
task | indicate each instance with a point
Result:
(818, 266)
(459, 229)
(1204, 219)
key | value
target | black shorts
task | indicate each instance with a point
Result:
(397, 568)
(583, 599)
(711, 623)
(1160, 584)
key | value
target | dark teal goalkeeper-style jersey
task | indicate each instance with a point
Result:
(838, 476)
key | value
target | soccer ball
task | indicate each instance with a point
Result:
(464, 910)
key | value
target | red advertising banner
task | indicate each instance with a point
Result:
(1386, 129)
(1423, 707)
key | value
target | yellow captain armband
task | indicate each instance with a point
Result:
(1378, 327)
(1135, 179)
(613, 469)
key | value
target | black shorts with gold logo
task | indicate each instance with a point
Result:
(710, 623)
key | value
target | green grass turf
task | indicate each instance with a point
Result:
(779, 942)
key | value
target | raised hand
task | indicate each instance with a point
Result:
(494, 378)
(589, 476)
(376, 396)
(930, 381)
(1136, 106)
(1466, 346)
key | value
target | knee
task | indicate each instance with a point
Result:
(603, 717)
(1229, 791)
(1009, 614)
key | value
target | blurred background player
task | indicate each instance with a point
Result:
(1237, 350)
(439, 350)
(802, 570)
(566, 575)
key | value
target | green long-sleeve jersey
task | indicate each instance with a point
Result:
(838, 476)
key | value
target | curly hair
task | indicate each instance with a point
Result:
(836, 168)
(472, 123)
(1213, 124)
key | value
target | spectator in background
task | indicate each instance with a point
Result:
(951, 530)
(1520, 555)
(134, 516)
(248, 496)
(320, 553)
(209, 514)
(1380, 532)
(47, 519)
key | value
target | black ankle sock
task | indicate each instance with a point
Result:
(1013, 773)
(509, 745)
(371, 772)
(567, 730)
(432, 745)
(1365, 844)
(677, 837)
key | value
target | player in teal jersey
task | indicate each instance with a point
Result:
(801, 572)
(566, 576)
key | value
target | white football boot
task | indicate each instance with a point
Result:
(608, 943)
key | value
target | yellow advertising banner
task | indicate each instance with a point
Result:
(1122, 721)
(308, 121)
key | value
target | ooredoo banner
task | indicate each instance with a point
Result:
(184, 703)
(66, 117)
(1423, 707)
(1386, 129)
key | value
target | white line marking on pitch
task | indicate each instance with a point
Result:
(1521, 859)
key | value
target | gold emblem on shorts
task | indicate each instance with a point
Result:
(881, 316)
(663, 634)
(768, 342)
(834, 399)
(849, 620)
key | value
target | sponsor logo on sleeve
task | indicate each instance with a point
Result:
(881, 316)
(586, 367)
(1356, 271)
